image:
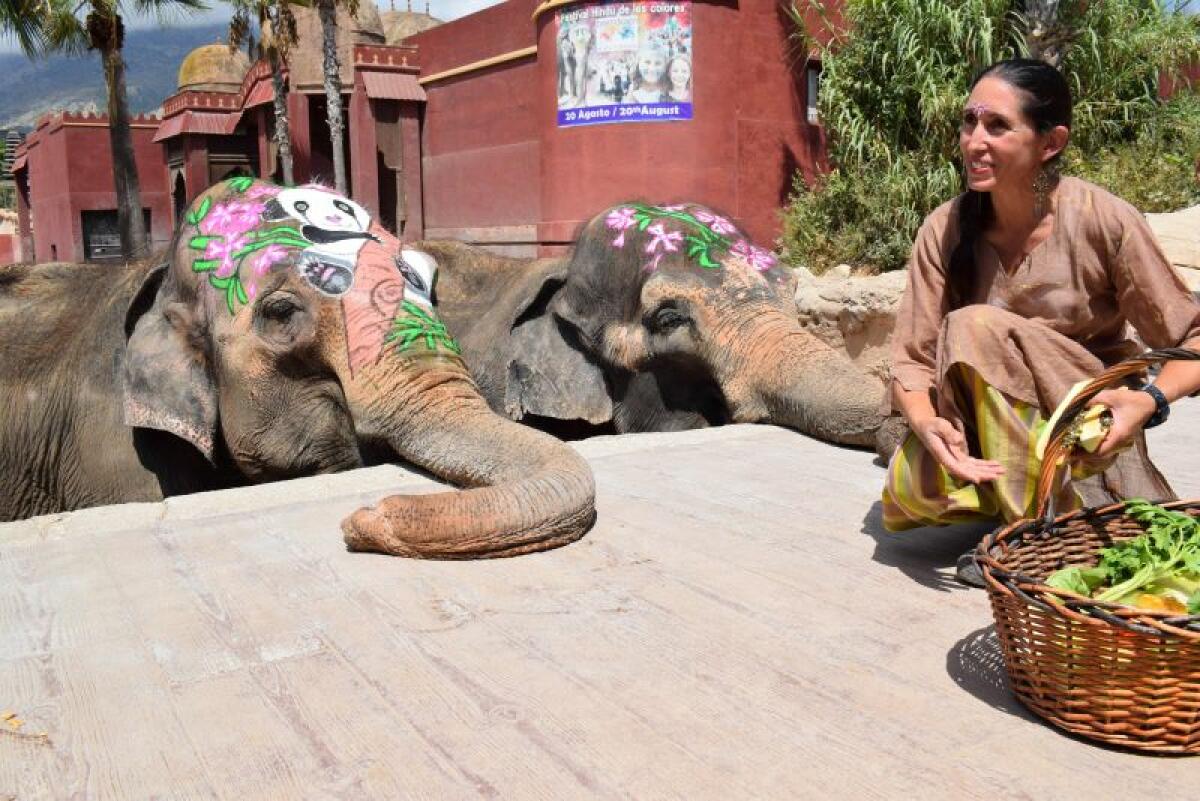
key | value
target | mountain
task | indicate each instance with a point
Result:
(152, 58)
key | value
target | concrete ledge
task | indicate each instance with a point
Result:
(737, 625)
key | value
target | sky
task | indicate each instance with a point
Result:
(220, 12)
(442, 9)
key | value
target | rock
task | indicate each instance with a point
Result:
(853, 314)
(1179, 234)
(840, 271)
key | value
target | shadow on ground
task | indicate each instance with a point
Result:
(977, 665)
(925, 555)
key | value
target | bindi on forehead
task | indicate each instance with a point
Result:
(978, 109)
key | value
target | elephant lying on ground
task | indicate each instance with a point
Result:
(662, 318)
(287, 335)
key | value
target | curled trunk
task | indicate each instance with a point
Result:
(526, 490)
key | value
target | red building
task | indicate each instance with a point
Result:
(64, 180)
(473, 129)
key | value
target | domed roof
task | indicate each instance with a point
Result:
(399, 25)
(213, 68)
(368, 28)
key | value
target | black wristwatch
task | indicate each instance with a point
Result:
(1162, 409)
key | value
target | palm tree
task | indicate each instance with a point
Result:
(1047, 35)
(327, 9)
(22, 19)
(66, 27)
(277, 15)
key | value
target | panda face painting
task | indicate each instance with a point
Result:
(419, 271)
(336, 226)
(244, 230)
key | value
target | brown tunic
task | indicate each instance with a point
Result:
(1071, 304)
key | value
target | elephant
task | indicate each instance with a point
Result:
(661, 318)
(286, 333)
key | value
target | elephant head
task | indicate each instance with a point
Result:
(289, 333)
(662, 317)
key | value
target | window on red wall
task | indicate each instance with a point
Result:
(812, 88)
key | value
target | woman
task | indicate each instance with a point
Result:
(1018, 289)
(679, 74)
(648, 82)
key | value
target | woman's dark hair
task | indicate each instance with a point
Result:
(1047, 104)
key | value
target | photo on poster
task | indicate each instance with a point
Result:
(624, 62)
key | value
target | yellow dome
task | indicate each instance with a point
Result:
(367, 27)
(399, 25)
(213, 68)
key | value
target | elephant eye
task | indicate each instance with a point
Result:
(281, 320)
(666, 318)
(301, 206)
(278, 309)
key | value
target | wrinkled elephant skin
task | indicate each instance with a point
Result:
(661, 318)
(286, 332)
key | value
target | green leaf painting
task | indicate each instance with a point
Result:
(415, 328)
(197, 214)
(229, 232)
(706, 240)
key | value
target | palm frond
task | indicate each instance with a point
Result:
(169, 11)
(64, 31)
(23, 20)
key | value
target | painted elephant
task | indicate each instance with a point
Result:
(288, 334)
(662, 318)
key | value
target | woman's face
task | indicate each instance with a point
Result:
(652, 65)
(1000, 147)
(681, 73)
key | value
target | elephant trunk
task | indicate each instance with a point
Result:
(800, 382)
(526, 490)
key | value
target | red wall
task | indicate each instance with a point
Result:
(494, 156)
(479, 142)
(739, 152)
(70, 171)
(8, 249)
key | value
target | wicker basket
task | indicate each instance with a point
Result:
(1125, 676)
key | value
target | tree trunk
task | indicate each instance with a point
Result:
(130, 223)
(283, 136)
(333, 92)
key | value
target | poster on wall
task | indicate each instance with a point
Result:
(624, 62)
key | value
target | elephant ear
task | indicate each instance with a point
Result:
(550, 374)
(166, 379)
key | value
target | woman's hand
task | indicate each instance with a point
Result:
(947, 444)
(1130, 410)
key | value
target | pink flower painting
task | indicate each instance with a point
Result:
(223, 250)
(232, 218)
(758, 258)
(620, 220)
(267, 258)
(717, 223)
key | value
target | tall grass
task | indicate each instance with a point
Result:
(893, 84)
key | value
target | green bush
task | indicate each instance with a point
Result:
(892, 92)
(1155, 172)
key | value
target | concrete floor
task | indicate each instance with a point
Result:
(736, 626)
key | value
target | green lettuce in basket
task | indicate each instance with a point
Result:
(1158, 570)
